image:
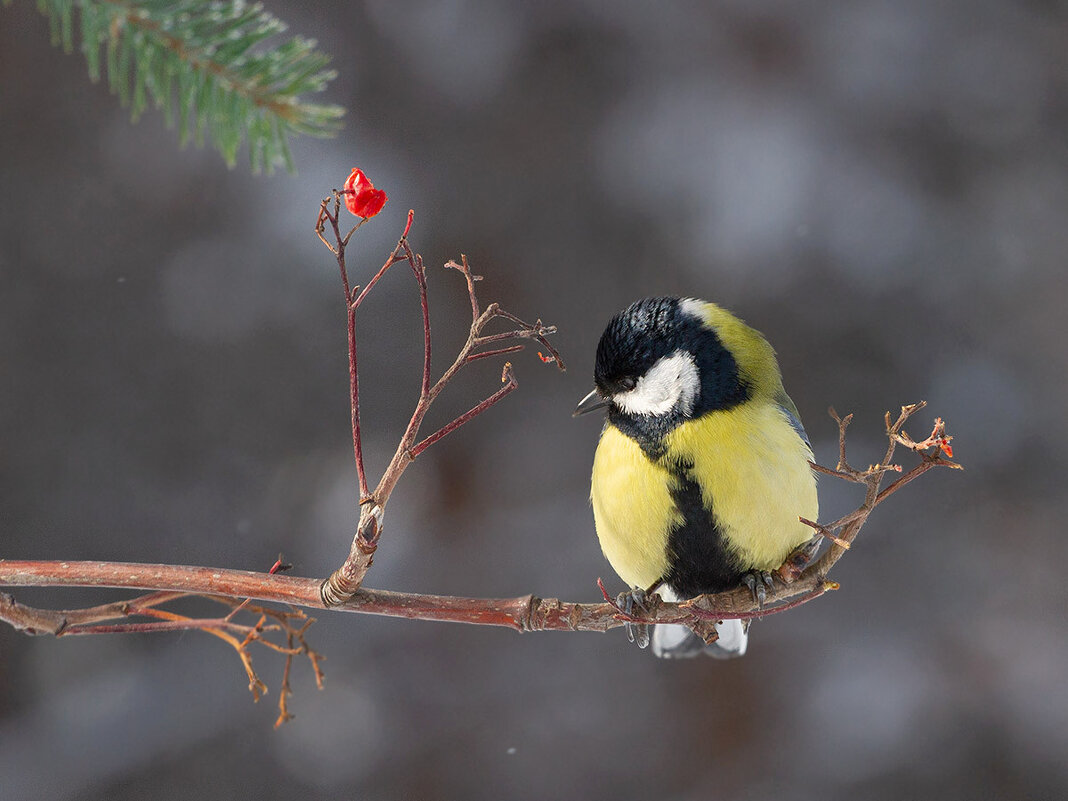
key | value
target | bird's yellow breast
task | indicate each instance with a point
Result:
(753, 471)
(632, 509)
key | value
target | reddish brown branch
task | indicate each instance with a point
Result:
(354, 405)
(526, 613)
(498, 352)
(465, 268)
(344, 581)
(394, 258)
(523, 613)
(268, 622)
(798, 584)
(416, 262)
(849, 526)
(219, 623)
(338, 249)
(509, 386)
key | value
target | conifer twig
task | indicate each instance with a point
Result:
(221, 64)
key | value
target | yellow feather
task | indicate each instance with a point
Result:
(632, 509)
(753, 471)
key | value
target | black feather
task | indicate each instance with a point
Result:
(697, 553)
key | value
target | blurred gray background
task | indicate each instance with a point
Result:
(881, 187)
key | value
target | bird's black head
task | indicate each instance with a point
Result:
(634, 340)
(659, 363)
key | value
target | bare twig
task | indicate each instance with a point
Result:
(338, 249)
(510, 384)
(344, 581)
(523, 613)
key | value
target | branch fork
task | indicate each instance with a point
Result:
(342, 584)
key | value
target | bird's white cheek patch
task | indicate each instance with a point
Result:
(671, 384)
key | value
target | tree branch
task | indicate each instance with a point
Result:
(344, 581)
(522, 613)
(221, 64)
(799, 583)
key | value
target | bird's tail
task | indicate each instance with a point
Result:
(672, 641)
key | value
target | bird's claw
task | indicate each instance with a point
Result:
(758, 583)
(637, 633)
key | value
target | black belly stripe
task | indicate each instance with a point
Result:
(697, 554)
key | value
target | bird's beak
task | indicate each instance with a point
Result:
(590, 403)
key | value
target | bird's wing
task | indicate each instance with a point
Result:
(790, 411)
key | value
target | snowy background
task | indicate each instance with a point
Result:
(881, 187)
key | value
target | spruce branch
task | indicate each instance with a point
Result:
(220, 63)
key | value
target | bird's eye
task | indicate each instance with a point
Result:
(628, 382)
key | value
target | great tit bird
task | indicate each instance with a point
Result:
(702, 469)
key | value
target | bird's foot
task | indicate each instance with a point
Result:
(758, 582)
(637, 633)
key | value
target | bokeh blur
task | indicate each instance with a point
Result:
(881, 187)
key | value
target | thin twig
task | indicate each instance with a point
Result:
(510, 385)
(338, 249)
(419, 271)
(465, 268)
(498, 352)
(349, 576)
